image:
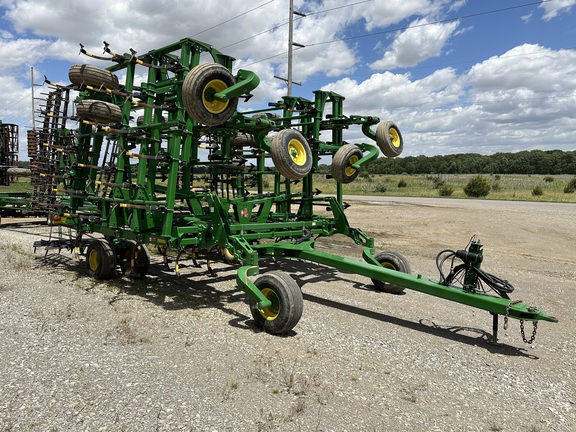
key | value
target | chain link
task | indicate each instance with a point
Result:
(522, 332)
(534, 329)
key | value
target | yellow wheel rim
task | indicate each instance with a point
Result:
(272, 312)
(213, 105)
(388, 266)
(349, 170)
(93, 260)
(297, 152)
(395, 135)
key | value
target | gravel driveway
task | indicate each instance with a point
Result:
(171, 353)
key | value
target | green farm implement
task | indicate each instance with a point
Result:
(166, 159)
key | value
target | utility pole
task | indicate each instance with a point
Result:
(291, 45)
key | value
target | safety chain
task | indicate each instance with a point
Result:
(534, 330)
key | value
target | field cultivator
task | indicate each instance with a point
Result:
(166, 159)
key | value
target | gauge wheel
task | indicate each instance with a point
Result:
(198, 90)
(98, 111)
(134, 259)
(87, 75)
(287, 303)
(389, 139)
(345, 156)
(392, 261)
(100, 259)
(291, 154)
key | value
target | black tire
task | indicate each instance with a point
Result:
(389, 139)
(140, 120)
(393, 261)
(99, 111)
(344, 157)
(287, 303)
(134, 259)
(83, 75)
(100, 259)
(291, 154)
(243, 140)
(198, 88)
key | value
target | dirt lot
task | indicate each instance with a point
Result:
(182, 353)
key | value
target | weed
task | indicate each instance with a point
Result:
(446, 190)
(537, 191)
(380, 188)
(495, 427)
(410, 392)
(477, 187)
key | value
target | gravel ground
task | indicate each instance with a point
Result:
(182, 353)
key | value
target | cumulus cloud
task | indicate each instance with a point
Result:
(525, 96)
(554, 7)
(422, 40)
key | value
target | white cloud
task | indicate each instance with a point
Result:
(422, 40)
(554, 7)
(524, 98)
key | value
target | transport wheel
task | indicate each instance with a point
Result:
(389, 139)
(101, 260)
(99, 111)
(287, 303)
(392, 261)
(134, 259)
(199, 88)
(291, 154)
(83, 75)
(345, 156)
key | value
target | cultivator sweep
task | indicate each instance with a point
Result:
(167, 159)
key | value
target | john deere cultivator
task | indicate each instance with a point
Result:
(167, 160)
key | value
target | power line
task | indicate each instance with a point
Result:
(233, 18)
(431, 23)
(285, 24)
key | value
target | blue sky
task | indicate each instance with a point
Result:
(456, 76)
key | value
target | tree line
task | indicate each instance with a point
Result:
(523, 162)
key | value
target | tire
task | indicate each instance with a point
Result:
(392, 261)
(140, 120)
(99, 111)
(344, 157)
(198, 88)
(291, 154)
(101, 260)
(389, 139)
(134, 259)
(287, 303)
(243, 140)
(83, 75)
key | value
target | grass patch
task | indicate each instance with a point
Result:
(503, 186)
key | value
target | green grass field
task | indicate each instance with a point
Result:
(503, 187)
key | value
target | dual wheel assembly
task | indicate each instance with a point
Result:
(389, 140)
(102, 258)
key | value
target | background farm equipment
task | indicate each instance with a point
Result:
(167, 159)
